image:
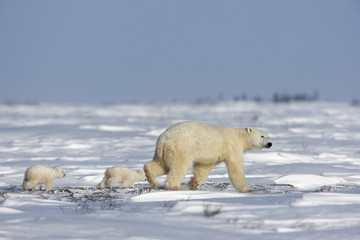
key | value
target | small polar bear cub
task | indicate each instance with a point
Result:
(38, 174)
(125, 176)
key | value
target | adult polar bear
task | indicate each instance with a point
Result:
(202, 145)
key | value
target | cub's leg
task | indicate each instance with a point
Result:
(28, 185)
(127, 184)
(48, 184)
(110, 182)
(102, 184)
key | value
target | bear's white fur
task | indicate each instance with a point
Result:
(202, 145)
(38, 174)
(125, 176)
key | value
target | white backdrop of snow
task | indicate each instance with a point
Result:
(316, 149)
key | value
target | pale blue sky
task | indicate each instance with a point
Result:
(112, 51)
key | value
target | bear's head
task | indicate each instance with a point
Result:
(59, 172)
(258, 138)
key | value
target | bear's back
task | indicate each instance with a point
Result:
(196, 131)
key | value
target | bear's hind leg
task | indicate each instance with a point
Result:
(102, 185)
(175, 176)
(110, 182)
(152, 170)
(201, 172)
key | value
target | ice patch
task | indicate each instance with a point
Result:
(79, 159)
(309, 182)
(155, 133)
(182, 195)
(186, 207)
(111, 128)
(318, 199)
(6, 210)
(77, 146)
(91, 179)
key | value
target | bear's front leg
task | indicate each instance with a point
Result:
(48, 184)
(237, 175)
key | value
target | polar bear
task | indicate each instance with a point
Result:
(203, 146)
(125, 176)
(38, 174)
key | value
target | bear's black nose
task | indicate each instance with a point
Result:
(269, 145)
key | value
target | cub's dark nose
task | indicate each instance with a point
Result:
(269, 145)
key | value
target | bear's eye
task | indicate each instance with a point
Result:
(262, 136)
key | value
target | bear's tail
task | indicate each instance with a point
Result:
(159, 151)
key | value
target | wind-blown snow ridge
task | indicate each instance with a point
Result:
(309, 182)
(182, 195)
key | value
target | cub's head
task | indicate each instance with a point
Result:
(259, 139)
(59, 172)
(141, 175)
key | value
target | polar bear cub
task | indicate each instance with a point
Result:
(203, 146)
(38, 174)
(125, 176)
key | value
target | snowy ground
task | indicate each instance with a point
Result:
(307, 186)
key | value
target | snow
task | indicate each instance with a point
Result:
(307, 186)
(181, 196)
(312, 199)
(309, 182)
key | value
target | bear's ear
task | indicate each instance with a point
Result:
(249, 130)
